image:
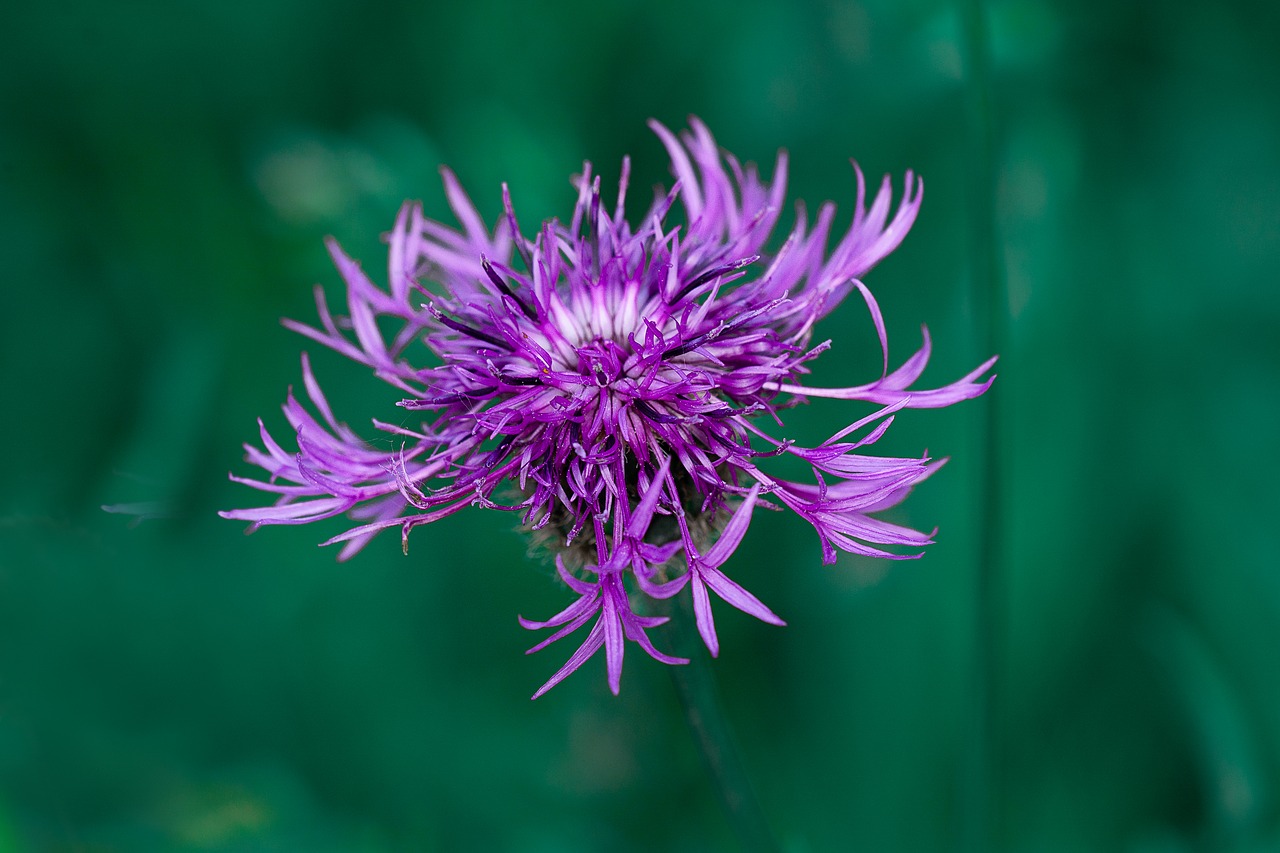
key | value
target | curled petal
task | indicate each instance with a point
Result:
(892, 389)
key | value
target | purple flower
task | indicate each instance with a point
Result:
(603, 380)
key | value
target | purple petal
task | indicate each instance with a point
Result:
(738, 597)
(588, 648)
(733, 532)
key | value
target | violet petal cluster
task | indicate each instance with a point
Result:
(612, 384)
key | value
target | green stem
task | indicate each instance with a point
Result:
(699, 697)
(982, 809)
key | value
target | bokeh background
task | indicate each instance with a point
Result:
(167, 175)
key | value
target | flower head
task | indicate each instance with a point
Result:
(611, 383)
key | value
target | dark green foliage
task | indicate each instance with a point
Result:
(167, 174)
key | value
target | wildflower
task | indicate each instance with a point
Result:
(603, 381)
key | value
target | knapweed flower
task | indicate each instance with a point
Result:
(614, 384)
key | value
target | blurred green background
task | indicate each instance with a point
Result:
(167, 174)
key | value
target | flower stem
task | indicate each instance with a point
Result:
(700, 698)
(990, 301)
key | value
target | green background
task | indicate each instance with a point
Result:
(167, 174)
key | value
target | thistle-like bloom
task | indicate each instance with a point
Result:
(611, 383)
